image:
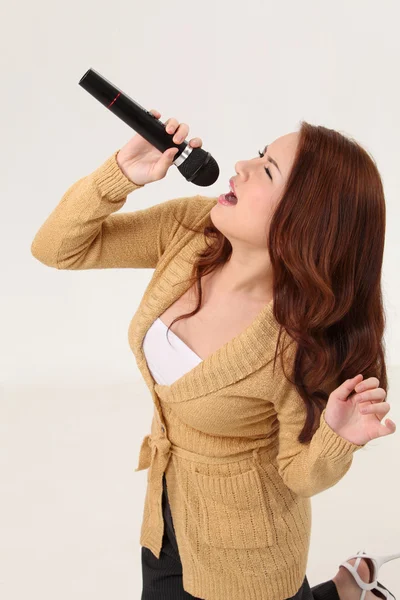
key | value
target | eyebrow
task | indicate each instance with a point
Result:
(271, 160)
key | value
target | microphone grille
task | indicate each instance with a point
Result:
(200, 168)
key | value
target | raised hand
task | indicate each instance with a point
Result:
(142, 163)
(358, 418)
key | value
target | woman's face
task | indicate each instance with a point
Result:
(247, 222)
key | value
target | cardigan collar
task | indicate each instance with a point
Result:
(236, 359)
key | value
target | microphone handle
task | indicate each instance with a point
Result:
(129, 111)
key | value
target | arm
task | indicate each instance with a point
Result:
(82, 232)
(308, 469)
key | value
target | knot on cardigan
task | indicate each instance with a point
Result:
(150, 447)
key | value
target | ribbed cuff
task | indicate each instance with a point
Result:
(111, 181)
(334, 445)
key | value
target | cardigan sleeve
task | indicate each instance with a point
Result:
(308, 469)
(83, 233)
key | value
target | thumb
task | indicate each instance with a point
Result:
(165, 161)
(167, 157)
(171, 152)
(347, 387)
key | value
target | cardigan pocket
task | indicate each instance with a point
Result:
(233, 510)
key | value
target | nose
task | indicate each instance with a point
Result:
(243, 167)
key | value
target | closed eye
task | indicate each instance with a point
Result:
(267, 170)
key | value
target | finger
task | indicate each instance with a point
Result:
(195, 142)
(377, 395)
(155, 113)
(371, 382)
(181, 133)
(380, 409)
(171, 125)
(346, 388)
(387, 429)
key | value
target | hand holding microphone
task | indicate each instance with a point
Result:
(195, 164)
(142, 163)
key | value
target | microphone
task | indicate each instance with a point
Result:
(195, 164)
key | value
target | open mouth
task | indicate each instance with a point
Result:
(230, 196)
(229, 199)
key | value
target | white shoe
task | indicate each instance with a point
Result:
(374, 586)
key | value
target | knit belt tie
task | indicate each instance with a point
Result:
(154, 450)
(154, 454)
(157, 451)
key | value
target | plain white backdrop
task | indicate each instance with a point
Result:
(74, 408)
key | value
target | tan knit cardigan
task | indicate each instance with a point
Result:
(225, 433)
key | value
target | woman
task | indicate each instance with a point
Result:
(243, 445)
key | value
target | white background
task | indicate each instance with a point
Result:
(74, 407)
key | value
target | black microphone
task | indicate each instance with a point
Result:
(195, 164)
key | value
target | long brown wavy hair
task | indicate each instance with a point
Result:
(325, 242)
